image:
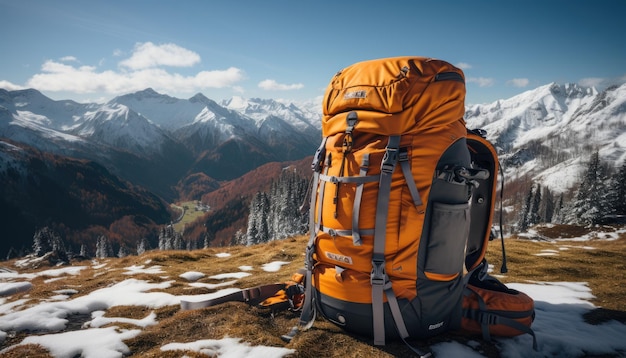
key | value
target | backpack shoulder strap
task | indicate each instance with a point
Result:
(252, 296)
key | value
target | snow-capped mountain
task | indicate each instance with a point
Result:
(118, 126)
(168, 112)
(547, 134)
(147, 132)
(302, 119)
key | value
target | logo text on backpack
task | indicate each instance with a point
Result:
(340, 258)
(435, 326)
(355, 94)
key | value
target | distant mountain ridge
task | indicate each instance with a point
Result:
(188, 148)
(548, 133)
(146, 129)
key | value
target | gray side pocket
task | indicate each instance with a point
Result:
(447, 238)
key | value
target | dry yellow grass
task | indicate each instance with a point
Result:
(602, 266)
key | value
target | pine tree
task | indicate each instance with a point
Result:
(239, 238)
(103, 248)
(522, 224)
(177, 240)
(546, 211)
(590, 204)
(276, 215)
(559, 211)
(533, 215)
(58, 248)
(42, 241)
(617, 190)
(258, 228)
(207, 241)
(142, 246)
(83, 250)
(122, 252)
(166, 238)
(47, 241)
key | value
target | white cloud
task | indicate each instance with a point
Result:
(463, 65)
(10, 86)
(147, 66)
(272, 85)
(481, 81)
(57, 76)
(69, 59)
(591, 82)
(149, 55)
(518, 82)
(602, 83)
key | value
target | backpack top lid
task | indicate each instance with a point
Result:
(433, 91)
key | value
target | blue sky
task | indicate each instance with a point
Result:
(95, 50)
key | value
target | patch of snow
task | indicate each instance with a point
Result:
(137, 269)
(273, 266)
(192, 275)
(98, 320)
(223, 276)
(228, 347)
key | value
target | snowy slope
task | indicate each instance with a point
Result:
(57, 115)
(168, 112)
(560, 325)
(121, 127)
(548, 133)
(302, 120)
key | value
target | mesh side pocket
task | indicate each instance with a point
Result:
(447, 237)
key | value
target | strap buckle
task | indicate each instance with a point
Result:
(251, 294)
(308, 261)
(377, 277)
(389, 160)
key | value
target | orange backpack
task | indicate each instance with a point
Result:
(402, 200)
(400, 213)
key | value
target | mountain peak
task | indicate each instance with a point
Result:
(147, 94)
(571, 90)
(198, 97)
(235, 102)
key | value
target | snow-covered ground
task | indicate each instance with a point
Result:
(559, 325)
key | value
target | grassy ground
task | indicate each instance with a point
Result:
(599, 262)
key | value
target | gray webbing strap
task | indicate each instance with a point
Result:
(395, 311)
(408, 176)
(314, 185)
(337, 232)
(316, 166)
(356, 208)
(253, 296)
(307, 316)
(322, 188)
(378, 277)
(347, 180)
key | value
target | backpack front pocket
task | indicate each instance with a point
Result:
(447, 237)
